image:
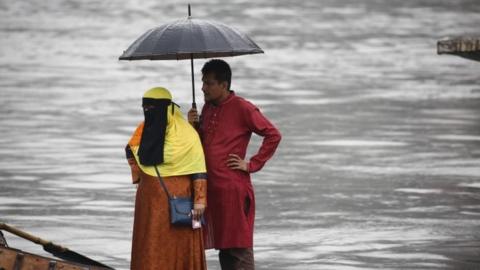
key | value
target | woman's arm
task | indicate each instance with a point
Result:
(199, 183)
(133, 165)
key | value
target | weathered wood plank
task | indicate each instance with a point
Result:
(12, 259)
(467, 47)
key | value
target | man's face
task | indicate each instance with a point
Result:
(213, 90)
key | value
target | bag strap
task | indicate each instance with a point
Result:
(162, 183)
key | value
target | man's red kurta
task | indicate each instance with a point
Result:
(226, 129)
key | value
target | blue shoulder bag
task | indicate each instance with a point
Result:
(180, 207)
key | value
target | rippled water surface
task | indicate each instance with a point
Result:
(379, 167)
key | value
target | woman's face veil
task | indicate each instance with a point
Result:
(155, 106)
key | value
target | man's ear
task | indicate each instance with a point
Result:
(224, 85)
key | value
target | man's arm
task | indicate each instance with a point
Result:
(260, 125)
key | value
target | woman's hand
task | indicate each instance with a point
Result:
(198, 210)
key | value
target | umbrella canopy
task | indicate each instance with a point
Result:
(184, 39)
(188, 39)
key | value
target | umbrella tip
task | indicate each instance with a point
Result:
(189, 11)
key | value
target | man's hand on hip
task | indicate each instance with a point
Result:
(234, 162)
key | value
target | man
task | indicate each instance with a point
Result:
(225, 127)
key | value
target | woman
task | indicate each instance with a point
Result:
(166, 140)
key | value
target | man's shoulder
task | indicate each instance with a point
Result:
(243, 103)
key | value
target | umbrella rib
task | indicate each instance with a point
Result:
(137, 43)
(168, 27)
(189, 36)
(221, 34)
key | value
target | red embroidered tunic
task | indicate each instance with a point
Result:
(226, 129)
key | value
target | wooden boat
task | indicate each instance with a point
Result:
(467, 47)
(15, 259)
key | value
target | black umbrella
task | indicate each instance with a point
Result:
(188, 39)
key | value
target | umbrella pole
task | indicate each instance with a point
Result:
(194, 105)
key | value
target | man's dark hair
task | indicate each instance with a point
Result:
(220, 69)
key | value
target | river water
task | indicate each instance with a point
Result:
(379, 166)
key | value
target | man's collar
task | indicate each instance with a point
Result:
(230, 96)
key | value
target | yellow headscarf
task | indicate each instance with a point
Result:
(183, 152)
